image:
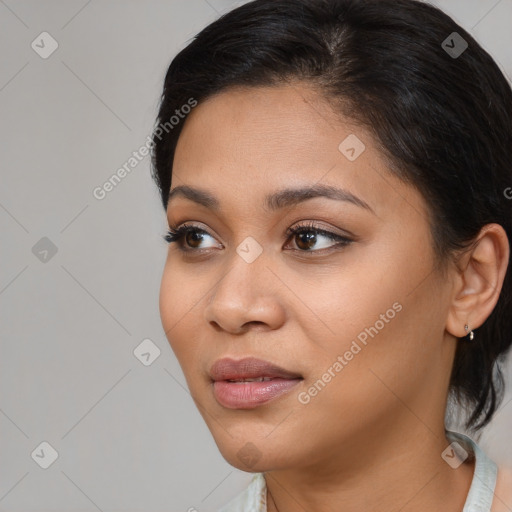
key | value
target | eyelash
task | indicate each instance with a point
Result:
(177, 235)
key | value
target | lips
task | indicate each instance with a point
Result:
(250, 382)
(248, 369)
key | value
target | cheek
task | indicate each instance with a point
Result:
(167, 301)
(372, 312)
(175, 308)
(181, 302)
(365, 370)
(351, 297)
(382, 357)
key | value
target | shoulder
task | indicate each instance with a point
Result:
(502, 501)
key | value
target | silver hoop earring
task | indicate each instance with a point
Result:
(471, 334)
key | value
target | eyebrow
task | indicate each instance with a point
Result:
(276, 200)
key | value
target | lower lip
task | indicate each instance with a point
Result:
(248, 395)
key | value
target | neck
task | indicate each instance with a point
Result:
(398, 468)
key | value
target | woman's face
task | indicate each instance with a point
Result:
(358, 325)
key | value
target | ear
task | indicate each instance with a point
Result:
(478, 283)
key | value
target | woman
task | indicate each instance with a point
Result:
(340, 219)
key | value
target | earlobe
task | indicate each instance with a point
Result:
(479, 281)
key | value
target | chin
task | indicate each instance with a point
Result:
(249, 459)
(253, 454)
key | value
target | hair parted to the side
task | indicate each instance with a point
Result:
(444, 124)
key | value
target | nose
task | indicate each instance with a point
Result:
(248, 296)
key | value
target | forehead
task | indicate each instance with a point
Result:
(259, 124)
(245, 143)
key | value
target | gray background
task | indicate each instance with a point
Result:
(128, 435)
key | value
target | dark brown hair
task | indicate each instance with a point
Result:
(443, 121)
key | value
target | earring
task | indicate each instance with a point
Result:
(471, 334)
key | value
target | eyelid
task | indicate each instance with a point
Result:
(299, 224)
(321, 227)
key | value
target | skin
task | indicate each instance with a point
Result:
(372, 438)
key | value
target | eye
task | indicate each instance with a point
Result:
(186, 233)
(307, 236)
(189, 237)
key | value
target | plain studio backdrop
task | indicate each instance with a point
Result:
(87, 376)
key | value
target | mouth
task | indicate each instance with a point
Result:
(256, 379)
(249, 382)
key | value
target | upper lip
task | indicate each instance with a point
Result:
(248, 368)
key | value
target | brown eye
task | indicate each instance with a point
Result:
(188, 237)
(193, 237)
(307, 238)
